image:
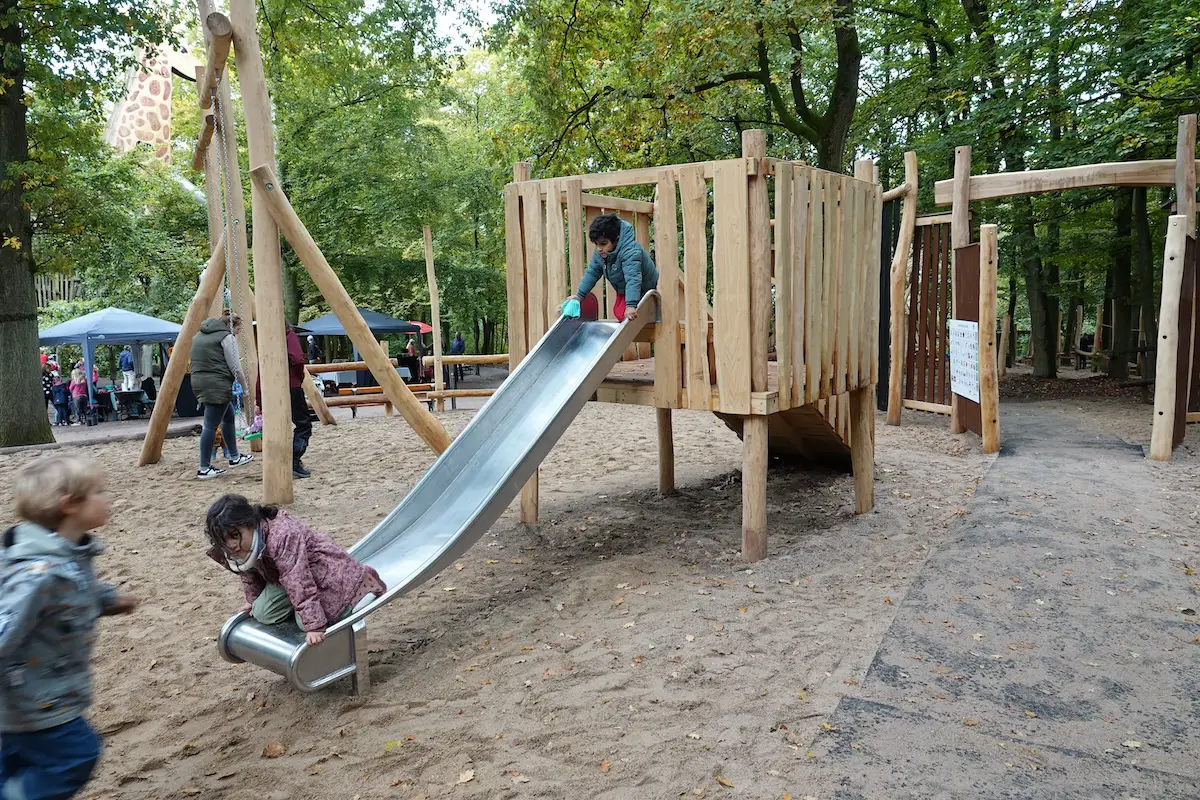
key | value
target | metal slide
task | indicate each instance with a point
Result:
(461, 496)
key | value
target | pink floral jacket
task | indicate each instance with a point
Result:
(320, 578)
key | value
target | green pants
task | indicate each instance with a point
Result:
(273, 607)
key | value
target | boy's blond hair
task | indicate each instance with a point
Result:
(41, 485)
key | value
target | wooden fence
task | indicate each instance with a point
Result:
(703, 234)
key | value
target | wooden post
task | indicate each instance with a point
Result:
(225, 158)
(213, 201)
(1185, 194)
(435, 312)
(160, 418)
(862, 447)
(900, 258)
(668, 368)
(275, 203)
(754, 427)
(218, 36)
(989, 384)
(268, 264)
(317, 400)
(666, 452)
(785, 271)
(960, 236)
(519, 349)
(1168, 346)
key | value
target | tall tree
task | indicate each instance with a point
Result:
(65, 52)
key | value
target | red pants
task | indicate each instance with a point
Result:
(619, 308)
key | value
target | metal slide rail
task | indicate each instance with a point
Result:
(458, 499)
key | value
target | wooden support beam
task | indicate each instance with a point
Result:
(694, 200)
(989, 383)
(666, 452)
(1168, 344)
(268, 262)
(754, 488)
(960, 236)
(435, 312)
(177, 365)
(668, 367)
(932, 408)
(326, 280)
(317, 401)
(732, 322)
(1159, 172)
(647, 176)
(602, 201)
(448, 393)
(519, 343)
(1185, 179)
(219, 38)
(784, 277)
(898, 273)
(495, 358)
(200, 151)
(862, 447)
(904, 190)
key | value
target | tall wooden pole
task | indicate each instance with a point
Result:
(960, 236)
(754, 428)
(908, 223)
(268, 263)
(989, 383)
(519, 340)
(435, 312)
(1168, 347)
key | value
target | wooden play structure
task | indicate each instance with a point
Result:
(811, 397)
(946, 269)
(216, 153)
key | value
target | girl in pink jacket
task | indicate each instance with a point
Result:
(287, 568)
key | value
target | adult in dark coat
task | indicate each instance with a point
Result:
(214, 369)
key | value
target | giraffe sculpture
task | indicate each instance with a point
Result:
(143, 116)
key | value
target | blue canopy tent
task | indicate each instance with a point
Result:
(108, 326)
(380, 325)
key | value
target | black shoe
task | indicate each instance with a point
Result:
(299, 470)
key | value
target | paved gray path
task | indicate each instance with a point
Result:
(1045, 651)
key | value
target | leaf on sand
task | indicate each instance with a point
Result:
(520, 779)
(970, 723)
(467, 776)
(978, 637)
(460, 567)
(273, 750)
(628, 624)
(491, 561)
(619, 601)
(1132, 744)
(690, 638)
(1031, 714)
(802, 695)
(693, 735)
(721, 779)
(605, 766)
(449, 588)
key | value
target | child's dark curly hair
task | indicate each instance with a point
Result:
(232, 512)
(605, 226)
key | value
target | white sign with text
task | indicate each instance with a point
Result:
(964, 359)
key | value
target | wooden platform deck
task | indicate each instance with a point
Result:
(632, 383)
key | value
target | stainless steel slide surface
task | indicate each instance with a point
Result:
(461, 496)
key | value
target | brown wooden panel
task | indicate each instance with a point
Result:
(1183, 366)
(943, 313)
(911, 343)
(1193, 256)
(966, 292)
(923, 322)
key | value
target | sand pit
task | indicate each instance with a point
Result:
(618, 649)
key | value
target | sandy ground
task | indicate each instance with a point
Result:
(617, 649)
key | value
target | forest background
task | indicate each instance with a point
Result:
(394, 114)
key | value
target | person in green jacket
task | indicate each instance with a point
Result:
(214, 369)
(621, 259)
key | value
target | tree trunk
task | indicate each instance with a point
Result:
(1011, 355)
(1043, 306)
(1145, 274)
(1122, 290)
(291, 293)
(23, 418)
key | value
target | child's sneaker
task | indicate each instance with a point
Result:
(244, 458)
(210, 472)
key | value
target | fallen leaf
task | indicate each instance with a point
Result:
(192, 790)
(605, 766)
(520, 779)
(1031, 714)
(743, 610)
(449, 588)
(517, 561)
(721, 779)
(690, 638)
(1132, 744)
(693, 735)
(803, 695)
(637, 661)
(487, 682)
(273, 750)
(492, 561)
(628, 624)
(978, 637)
(970, 723)
(619, 601)
(153, 664)
(394, 744)
(467, 776)
(887, 600)
(459, 567)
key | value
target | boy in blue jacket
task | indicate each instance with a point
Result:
(621, 259)
(49, 602)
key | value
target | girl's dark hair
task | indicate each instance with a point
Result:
(605, 226)
(232, 512)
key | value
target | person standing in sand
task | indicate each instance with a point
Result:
(214, 369)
